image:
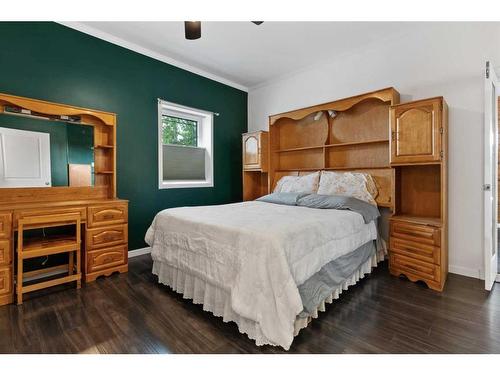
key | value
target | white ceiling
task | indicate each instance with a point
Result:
(242, 54)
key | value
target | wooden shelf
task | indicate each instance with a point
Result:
(33, 247)
(428, 220)
(103, 172)
(300, 148)
(298, 169)
(329, 169)
(345, 144)
(354, 168)
(104, 146)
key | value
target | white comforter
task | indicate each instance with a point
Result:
(258, 252)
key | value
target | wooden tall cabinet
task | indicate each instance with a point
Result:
(419, 226)
(255, 147)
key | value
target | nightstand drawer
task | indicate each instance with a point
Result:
(5, 252)
(98, 260)
(107, 236)
(5, 280)
(415, 268)
(416, 250)
(416, 232)
(107, 215)
(5, 225)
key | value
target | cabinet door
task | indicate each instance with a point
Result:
(251, 151)
(416, 132)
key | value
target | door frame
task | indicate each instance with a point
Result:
(490, 176)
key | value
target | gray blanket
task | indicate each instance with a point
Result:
(335, 202)
(320, 285)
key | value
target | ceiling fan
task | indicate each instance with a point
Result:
(192, 29)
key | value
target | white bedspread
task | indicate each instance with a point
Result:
(258, 252)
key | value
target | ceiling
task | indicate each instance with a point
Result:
(243, 54)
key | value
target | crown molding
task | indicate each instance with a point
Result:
(147, 52)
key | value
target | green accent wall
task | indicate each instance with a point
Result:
(51, 62)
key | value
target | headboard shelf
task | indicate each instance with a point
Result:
(340, 144)
(347, 134)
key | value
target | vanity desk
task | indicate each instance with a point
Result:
(87, 195)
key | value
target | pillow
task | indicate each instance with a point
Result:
(287, 199)
(351, 184)
(298, 184)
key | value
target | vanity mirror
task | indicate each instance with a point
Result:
(36, 152)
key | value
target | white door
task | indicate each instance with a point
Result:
(492, 89)
(24, 158)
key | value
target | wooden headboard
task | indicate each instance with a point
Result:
(345, 135)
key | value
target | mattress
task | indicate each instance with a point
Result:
(246, 261)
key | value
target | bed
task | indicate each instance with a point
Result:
(267, 266)
(271, 264)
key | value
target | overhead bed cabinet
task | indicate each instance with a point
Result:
(255, 164)
(416, 131)
(419, 226)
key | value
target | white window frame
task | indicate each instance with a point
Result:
(205, 131)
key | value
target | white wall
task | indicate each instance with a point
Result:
(436, 59)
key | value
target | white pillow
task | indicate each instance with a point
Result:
(352, 184)
(298, 184)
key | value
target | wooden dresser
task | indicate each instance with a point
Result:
(419, 226)
(104, 217)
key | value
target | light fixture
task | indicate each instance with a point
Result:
(318, 115)
(192, 29)
(332, 113)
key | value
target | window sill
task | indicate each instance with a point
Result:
(185, 184)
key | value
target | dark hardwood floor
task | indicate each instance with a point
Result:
(131, 313)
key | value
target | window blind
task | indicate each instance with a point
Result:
(183, 163)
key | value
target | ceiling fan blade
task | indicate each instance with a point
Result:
(192, 29)
(257, 22)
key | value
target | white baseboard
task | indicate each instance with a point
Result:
(466, 271)
(137, 252)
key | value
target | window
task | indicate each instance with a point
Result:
(184, 146)
(179, 131)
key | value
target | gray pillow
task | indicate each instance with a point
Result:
(340, 202)
(287, 199)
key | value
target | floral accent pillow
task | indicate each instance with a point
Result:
(298, 184)
(352, 184)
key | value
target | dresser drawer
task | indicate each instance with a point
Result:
(416, 250)
(107, 236)
(5, 252)
(50, 211)
(5, 280)
(416, 232)
(415, 268)
(5, 225)
(107, 215)
(98, 260)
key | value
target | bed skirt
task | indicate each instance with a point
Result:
(217, 300)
